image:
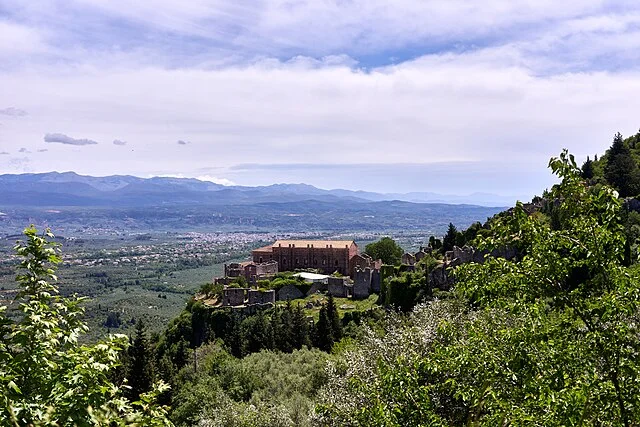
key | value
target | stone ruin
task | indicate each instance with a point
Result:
(408, 259)
(338, 287)
(289, 292)
(234, 297)
(440, 278)
(251, 271)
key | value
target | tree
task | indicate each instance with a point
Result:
(621, 171)
(46, 376)
(548, 338)
(450, 239)
(140, 372)
(385, 249)
(323, 336)
(435, 243)
(334, 319)
(587, 169)
(300, 328)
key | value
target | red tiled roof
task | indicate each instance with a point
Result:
(315, 243)
(267, 248)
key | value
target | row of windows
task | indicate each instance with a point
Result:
(306, 262)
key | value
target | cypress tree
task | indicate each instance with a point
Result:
(621, 170)
(450, 239)
(323, 338)
(300, 328)
(140, 371)
(587, 169)
(334, 319)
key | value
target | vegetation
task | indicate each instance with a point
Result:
(547, 338)
(263, 389)
(46, 377)
(385, 249)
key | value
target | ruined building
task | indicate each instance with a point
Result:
(251, 271)
(234, 297)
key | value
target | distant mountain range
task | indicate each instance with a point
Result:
(71, 189)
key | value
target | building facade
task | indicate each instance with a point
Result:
(327, 256)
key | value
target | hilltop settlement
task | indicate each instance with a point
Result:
(334, 267)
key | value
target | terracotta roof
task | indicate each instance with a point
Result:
(267, 248)
(315, 243)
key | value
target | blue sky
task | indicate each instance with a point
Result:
(446, 96)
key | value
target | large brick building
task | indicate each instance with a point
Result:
(327, 256)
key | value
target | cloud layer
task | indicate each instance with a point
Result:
(321, 92)
(13, 112)
(61, 138)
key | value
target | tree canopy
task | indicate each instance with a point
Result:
(46, 376)
(385, 249)
(547, 338)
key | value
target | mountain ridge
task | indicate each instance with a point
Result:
(50, 188)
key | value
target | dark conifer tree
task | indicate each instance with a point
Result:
(587, 169)
(300, 328)
(334, 319)
(140, 370)
(450, 239)
(283, 328)
(621, 170)
(323, 338)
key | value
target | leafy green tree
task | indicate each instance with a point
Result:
(547, 339)
(46, 376)
(621, 170)
(435, 243)
(385, 249)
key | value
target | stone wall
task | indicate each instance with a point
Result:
(289, 292)
(262, 297)
(362, 283)
(408, 259)
(327, 259)
(337, 286)
(233, 296)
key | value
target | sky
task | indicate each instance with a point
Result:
(448, 96)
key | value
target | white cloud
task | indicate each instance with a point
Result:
(64, 139)
(19, 39)
(13, 112)
(119, 142)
